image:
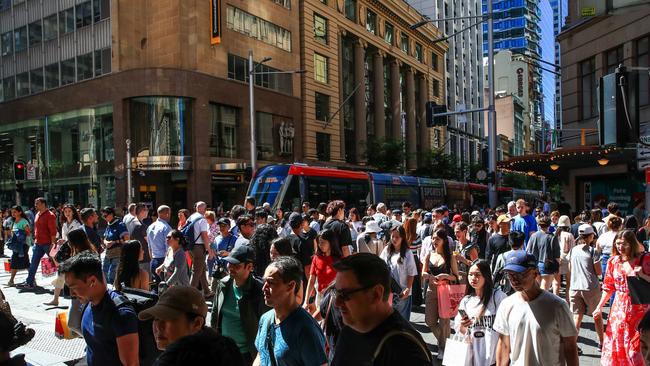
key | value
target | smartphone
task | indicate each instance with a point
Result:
(462, 313)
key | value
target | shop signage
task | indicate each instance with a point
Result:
(520, 82)
(215, 21)
(163, 163)
(234, 178)
(588, 12)
(31, 171)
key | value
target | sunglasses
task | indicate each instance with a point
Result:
(518, 277)
(169, 237)
(346, 294)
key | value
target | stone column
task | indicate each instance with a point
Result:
(380, 118)
(423, 132)
(395, 92)
(411, 138)
(360, 101)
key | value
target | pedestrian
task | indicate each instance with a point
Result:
(584, 292)
(476, 313)
(7, 223)
(249, 205)
(13, 334)
(466, 252)
(555, 219)
(374, 333)
(498, 243)
(200, 249)
(110, 331)
(157, 238)
(414, 245)
(535, 326)
(71, 221)
(261, 243)
(313, 213)
(622, 345)
(321, 268)
(21, 241)
(439, 267)
(605, 242)
(138, 231)
(546, 249)
(129, 273)
(368, 242)
(303, 246)
(45, 232)
(239, 303)
(403, 270)
(566, 242)
(246, 228)
(130, 215)
(336, 211)
(355, 223)
(115, 236)
(287, 334)
(174, 270)
(523, 221)
(280, 247)
(183, 215)
(583, 218)
(597, 222)
(89, 218)
(204, 347)
(222, 245)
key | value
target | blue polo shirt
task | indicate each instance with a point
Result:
(526, 225)
(115, 230)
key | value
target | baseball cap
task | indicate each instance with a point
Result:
(223, 221)
(241, 254)
(503, 218)
(564, 221)
(175, 302)
(397, 212)
(295, 220)
(520, 261)
(428, 214)
(457, 218)
(585, 229)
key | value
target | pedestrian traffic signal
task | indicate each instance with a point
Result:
(432, 110)
(19, 170)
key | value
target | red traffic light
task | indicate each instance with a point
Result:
(19, 166)
(19, 171)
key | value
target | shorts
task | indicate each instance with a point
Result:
(584, 302)
(542, 270)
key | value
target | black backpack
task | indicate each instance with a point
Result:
(139, 300)
(501, 281)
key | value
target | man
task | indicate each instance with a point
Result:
(336, 210)
(200, 248)
(479, 236)
(534, 326)
(157, 239)
(260, 217)
(130, 214)
(303, 245)
(205, 347)
(305, 207)
(110, 331)
(373, 330)
(138, 231)
(546, 248)
(179, 312)
(115, 235)
(512, 209)
(397, 216)
(239, 303)
(406, 208)
(287, 333)
(313, 213)
(249, 204)
(225, 243)
(498, 243)
(524, 222)
(380, 215)
(246, 228)
(89, 219)
(613, 211)
(585, 217)
(45, 232)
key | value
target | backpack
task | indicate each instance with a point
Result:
(139, 300)
(188, 232)
(501, 281)
(405, 334)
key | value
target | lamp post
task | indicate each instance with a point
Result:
(129, 183)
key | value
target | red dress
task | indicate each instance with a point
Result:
(321, 267)
(622, 343)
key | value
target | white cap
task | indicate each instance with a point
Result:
(585, 229)
(372, 227)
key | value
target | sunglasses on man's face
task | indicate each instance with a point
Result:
(346, 294)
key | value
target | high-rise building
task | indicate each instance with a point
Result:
(465, 134)
(560, 12)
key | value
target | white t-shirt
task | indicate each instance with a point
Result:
(535, 328)
(199, 226)
(400, 271)
(68, 227)
(605, 242)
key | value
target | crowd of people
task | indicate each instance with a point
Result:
(333, 285)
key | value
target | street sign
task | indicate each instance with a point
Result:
(642, 157)
(31, 171)
(481, 174)
(461, 118)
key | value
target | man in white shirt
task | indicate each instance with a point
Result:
(535, 327)
(200, 248)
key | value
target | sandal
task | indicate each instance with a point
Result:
(51, 303)
(10, 284)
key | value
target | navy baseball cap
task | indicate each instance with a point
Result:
(520, 261)
(241, 254)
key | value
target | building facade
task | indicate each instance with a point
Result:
(463, 82)
(560, 12)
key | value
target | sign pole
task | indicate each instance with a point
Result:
(129, 183)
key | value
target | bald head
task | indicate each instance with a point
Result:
(201, 207)
(164, 212)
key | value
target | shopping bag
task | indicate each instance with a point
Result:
(61, 329)
(7, 265)
(48, 268)
(449, 297)
(74, 317)
(458, 352)
(639, 290)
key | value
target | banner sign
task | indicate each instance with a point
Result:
(215, 21)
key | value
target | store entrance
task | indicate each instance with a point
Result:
(162, 188)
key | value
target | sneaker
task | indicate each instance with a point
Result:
(25, 286)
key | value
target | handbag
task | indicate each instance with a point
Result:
(639, 290)
(54, 250)
(449, 297)
(458, 352)
(48, 268)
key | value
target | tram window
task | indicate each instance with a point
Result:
(317, 190)
(292, 195)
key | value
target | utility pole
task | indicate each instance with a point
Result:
(129, 183)
(251, 111)
(492, 118)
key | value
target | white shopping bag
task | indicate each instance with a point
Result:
(458, 352)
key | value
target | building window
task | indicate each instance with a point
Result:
(436, 88)
(614, 58)
(350, 9)
(434, 61)
(388, 33)
(238, 70)
(5, 4)
(67, 72)
(85, 66)
(9, 88)
(588, 98)
(66, 21)
(264, 129)
(322, 146)
(258, 28)
(22, 84)
(101, 9)
(102, 61)
(320, 28)
(404, 43)
(223, 133)
(6, 43)
(84, 15)
(322, 107)
(160, 126)
(36, 80)
(418, 53)
(371, 22)
(20, 38)
(643, 60)
(320, 68)
(285, 3)
(35, 33)
(50, 27)
(52, 76)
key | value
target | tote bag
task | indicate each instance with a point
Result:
(457, 352)
(449, 297)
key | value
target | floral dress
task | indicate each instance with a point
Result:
(622, 341)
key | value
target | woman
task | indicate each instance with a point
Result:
(280, 247)
(401, 262)
(183, 215)
(355, 223)
(261, 243)
(129, 273)
(567, 242)
(76, 242)
(415, 244)
(322, 270)
(71, 221)
(213, 232)
(476, 313)
(174, 269)
(631, 223)
(605, 242)
(21, 242)
(643, 234)
(555, 219)
(439, 268)
(621, 345)
(467, 252)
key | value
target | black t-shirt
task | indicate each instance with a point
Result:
(497, 244)
(93, 237)
(302, 251)
(354, 348)
(342, 231)
(307, 243)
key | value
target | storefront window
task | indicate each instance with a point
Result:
(264, 129)
(160, 126)
(223, 134)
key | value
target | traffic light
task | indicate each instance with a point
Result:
(19, 170)
(619, 108)
(432, 109)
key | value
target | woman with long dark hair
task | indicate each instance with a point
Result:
(261, 243)
(439, 267)
(355, 223)
(21, 242)
(414, 244)
(129, 273)
(477, 310)
(322, 270)
(174, 269)
(401, 262)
